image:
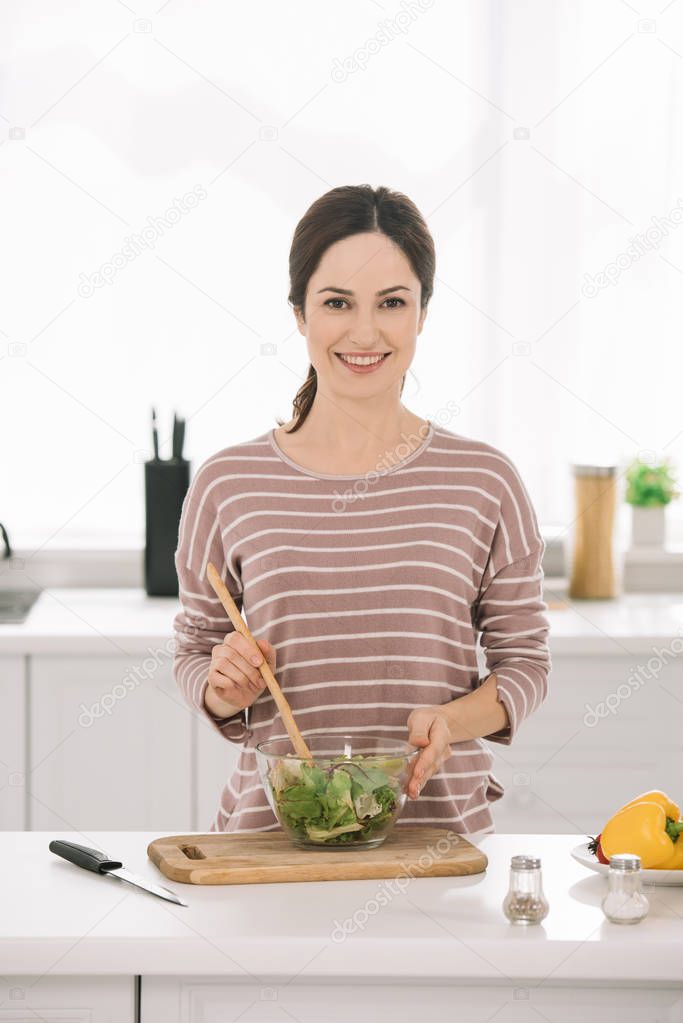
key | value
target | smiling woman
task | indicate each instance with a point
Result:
(376, 248)
(366, 547)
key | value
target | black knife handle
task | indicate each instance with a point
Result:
(91, 859)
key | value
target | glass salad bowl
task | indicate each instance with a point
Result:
(348, 797)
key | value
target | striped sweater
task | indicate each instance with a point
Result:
(374, 591)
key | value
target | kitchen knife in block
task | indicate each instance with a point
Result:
(223, 594)
(166, 484)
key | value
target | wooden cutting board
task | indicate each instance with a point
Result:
(260, 857)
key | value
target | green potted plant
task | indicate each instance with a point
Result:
(650, 487)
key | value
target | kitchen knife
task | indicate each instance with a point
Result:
(100, 863)
(178, 437)
(155, 435)
(181, 437)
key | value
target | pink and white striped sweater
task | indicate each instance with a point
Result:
(373, 591)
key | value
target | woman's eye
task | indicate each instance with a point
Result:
(390, 299)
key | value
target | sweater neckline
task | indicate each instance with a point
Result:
(415, 453)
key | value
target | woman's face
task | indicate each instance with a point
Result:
(363, 301)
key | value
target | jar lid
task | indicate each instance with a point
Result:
(594, 470)
(624, 862)
(525, 863)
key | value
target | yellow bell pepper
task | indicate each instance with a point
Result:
(649, 826)
(656, 796)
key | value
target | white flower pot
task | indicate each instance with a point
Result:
(648, 526)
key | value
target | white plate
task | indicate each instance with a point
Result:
(583, 856)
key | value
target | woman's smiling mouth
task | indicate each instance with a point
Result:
(362, 363)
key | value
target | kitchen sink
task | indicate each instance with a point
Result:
(16, 604)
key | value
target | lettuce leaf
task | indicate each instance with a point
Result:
(341, 803)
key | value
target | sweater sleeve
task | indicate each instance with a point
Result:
(510, 610)
(202, 621)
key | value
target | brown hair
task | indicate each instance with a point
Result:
(338, 214)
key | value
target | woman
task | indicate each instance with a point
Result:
(366, 546)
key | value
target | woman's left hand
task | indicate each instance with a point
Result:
(429, 728)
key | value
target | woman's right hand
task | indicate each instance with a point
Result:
(235, 682)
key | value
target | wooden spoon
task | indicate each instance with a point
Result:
(240, 625)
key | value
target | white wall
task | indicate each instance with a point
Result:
(109, 115)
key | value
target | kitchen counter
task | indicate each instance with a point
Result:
(127, 621)
(60, 919)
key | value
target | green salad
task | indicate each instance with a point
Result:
(347, 801)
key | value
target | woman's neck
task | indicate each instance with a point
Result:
(348, 442)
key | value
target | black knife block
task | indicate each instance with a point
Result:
(166, 483)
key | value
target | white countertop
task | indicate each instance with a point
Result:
(127, 621)
(92, 621)
(60, 918)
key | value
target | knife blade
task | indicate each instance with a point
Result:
(99, 862)
(174, 443)
(181, 437)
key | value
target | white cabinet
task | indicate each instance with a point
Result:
(212, 1000)
(112, 745)
(610, 728)
(27, 999)
(216, 759)
(12, 742)
(109, 747)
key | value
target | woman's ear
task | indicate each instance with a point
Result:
(421, 320)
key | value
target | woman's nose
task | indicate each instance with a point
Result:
(364, 330)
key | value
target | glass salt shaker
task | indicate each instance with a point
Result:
(525, 902)
(625, 902)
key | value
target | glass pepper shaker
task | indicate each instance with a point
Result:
(625, 902)
(525, 902)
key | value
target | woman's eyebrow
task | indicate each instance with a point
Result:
(384, 291)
